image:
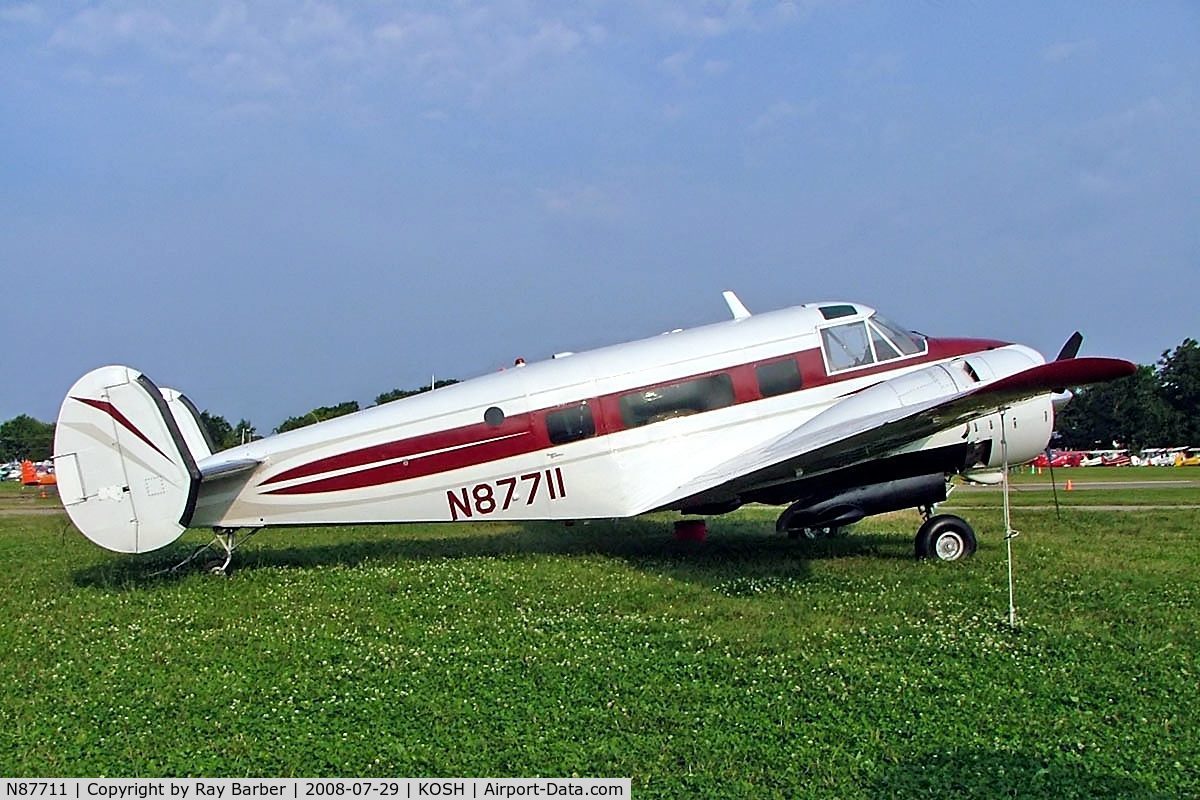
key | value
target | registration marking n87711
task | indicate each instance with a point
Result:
(501, 494)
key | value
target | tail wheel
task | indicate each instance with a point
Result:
(945, 537)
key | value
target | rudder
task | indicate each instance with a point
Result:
(187, 417)
(126, 474)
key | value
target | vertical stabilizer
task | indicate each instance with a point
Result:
(126, 474)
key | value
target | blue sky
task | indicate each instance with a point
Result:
(278, 205)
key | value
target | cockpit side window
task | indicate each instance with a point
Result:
(847, 346)
(884, 350)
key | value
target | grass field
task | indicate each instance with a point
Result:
(1022, 476)
(1092, 486)
(744, 665)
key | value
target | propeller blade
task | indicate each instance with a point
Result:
(1071, 348)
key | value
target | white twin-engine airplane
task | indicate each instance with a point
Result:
(829, 409)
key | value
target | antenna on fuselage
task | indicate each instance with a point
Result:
(736, 307)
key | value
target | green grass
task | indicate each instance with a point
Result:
(746, 665)
(1154, 496)
(1090, 474)
(1149, 486)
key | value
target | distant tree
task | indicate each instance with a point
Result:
(317, 415)
(224, 435)
(245, 431)
(1179, 376)
(219, 430)
(400, 394)
(24, 437)
(1129, 411)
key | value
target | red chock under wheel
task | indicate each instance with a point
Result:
(691, 530)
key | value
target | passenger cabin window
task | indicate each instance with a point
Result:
(778, 378)
(570, 424)
(847, 346)
(676, 400)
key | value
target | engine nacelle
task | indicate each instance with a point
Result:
(1026, 429)
(851, 505)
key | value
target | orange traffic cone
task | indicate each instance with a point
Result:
(1070, 486)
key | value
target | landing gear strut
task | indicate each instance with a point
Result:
(822, 532)
(225, 541)
(789, 523)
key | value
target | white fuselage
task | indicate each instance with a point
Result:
(443, 456)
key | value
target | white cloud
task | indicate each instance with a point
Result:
(316, 22)
(775, 115)
(866, 68)
(247, 110)
(24, 13)
(1064, 51)
(675, 64)
(1095, 182)
(445, 52)
(238, 72)
(581, 201)
(480, 49)
(713, 19)
(715, 67)
(98, 30)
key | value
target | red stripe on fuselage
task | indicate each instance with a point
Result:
(480, 443)
(466, 440)
(500, 443)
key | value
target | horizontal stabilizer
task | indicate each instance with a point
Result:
(225, 469)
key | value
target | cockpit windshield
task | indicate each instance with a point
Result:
(908, 342)
(860, 344)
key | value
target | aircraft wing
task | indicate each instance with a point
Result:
(854, 430)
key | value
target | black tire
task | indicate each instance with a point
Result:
(946, 537)
(823, 532)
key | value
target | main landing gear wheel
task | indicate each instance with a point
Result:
(945, 537)
(787, 524)
(824, 532)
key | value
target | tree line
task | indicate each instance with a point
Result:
(1157, 406)
(225, 435)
